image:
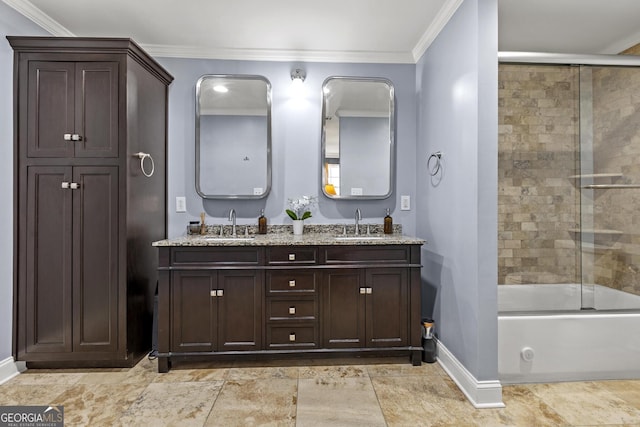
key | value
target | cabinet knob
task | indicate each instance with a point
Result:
(369, 290)
(76, 137)
(292, 310)
(292, 257)
(65, 185)
(363, 291)
(67, 136)
(292, 283)
(292, 336)
(74, 185)
(220, 293)
(214, 293)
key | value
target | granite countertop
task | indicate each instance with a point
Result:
(314, 235)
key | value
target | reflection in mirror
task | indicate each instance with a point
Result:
(233, 137)
(357, 138)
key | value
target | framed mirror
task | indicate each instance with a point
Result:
(358, 127)
(233, 136)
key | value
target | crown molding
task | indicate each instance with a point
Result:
(442, 18)
(175, 51)
(49, 24)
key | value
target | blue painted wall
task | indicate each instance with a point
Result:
(457, 87)
(296, 125)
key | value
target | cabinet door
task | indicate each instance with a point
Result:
(387, 307)
(193, 311)
(343, 312)
(76, 99)
(50, 108)
(95, 258)
(239, 310)
(47, 306)
(96, 109)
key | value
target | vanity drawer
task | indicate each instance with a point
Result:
(281, 309)
(291, 282)
(224, 255)
(396, 254)
(292, 255)
(283, 336)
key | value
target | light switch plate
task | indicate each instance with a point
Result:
(405, 203)
(181, 204)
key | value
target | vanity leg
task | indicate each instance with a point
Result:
(416, 357)
(163, 364)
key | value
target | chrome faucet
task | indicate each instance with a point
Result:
(358, 219)
(232, 218)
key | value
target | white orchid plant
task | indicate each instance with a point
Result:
(300, 207)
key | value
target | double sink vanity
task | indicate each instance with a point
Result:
(322, 294)
(327, 293)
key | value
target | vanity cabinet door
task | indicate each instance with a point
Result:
(343, 308)
(193, 311)
(239, 310)
(216, 311)
(387, 307)
(365, 308)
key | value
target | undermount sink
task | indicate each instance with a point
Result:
(365, 237)
(230, 238)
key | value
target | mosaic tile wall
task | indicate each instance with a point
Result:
(538, 202)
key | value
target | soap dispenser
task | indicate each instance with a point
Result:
(388, 223)
(262, 223)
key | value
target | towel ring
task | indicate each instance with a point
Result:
(433, 170)
(143, 156)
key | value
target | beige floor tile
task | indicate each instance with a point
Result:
(36, 377)
(523, 409)
(188, 375)
(405, 369)
(17, 394)
(97, 404)
(629, 391)
(586, 403)
(421, 400)
(355, 371)
(349, 401)
(257, 373)
(169, 404)
(255, 403)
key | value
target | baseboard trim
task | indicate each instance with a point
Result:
(481, 394)
(10, 368)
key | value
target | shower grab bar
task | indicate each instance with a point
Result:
(606, 186)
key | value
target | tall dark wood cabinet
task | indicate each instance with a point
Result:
(85, 210)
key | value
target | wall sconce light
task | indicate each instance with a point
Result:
(298, 75)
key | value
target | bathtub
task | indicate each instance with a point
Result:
(543, 336)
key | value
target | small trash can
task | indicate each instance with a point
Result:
(428, 343)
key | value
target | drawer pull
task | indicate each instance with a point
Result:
(292, 283)
(292, 257)
(292, 336)
(292, 310)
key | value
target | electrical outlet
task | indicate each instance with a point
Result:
(405, 203)
(181, 204)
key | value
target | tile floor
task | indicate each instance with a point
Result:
(316, 393)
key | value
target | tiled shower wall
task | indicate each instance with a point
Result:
(615, 258)
(538, 202)
(539, 199)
